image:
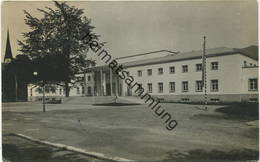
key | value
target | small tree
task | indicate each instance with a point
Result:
(55, 42)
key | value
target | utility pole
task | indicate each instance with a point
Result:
(43, 92)
(43, 97)
(204, 73)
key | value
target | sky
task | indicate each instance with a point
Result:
(138, 26)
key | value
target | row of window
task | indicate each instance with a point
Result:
(214, 66)
(185, 86)
(48, 90)
(214, 86)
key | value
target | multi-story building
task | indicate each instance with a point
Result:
(231, 76)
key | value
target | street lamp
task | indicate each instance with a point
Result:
(43, 92)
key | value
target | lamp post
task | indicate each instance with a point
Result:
(43, 92)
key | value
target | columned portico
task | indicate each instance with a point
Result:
(105, 82)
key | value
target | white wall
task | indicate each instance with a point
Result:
(228, 75)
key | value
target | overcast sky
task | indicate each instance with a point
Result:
(139, 27)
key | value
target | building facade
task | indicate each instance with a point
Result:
(231, 76)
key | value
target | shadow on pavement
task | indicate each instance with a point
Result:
(249, 110)
(213, 155)
(16, 149)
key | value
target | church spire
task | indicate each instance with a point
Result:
(8, 50)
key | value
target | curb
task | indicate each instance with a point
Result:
(73, 149)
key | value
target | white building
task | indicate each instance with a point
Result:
(232, 76)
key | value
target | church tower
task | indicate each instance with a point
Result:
(8, 51)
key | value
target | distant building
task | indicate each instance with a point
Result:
(13, 89)
(53, 92)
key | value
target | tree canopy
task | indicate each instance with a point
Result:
(55, 43)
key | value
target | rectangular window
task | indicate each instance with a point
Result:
(139, 73)
(198, 86)
(252, 84)
(214, 66)
(253, 99)
(185, 87)
(214, 99)
(214, 85)
(150, 88)
(184, 68)
(160, 71)
(160, 87)
(60, 91)
(185, 99)
(172, 87)
(198, 67)
(149, 72)
(89, 78)
(172, 70)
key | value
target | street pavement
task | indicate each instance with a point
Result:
(22, 150)
(134, 131)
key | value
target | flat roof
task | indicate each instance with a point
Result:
(251, 51)
(219, 51)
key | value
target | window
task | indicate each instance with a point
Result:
(252, 84)
(160, 87)
(60, 91)
(172, 70)
(149, 72)
(214, 66)
(160, 71)
(198, 67)
(245, 64)
(89, 78)
(172, 87)
(214, 85)
(185, 99)
(214, 99)
(198, 86)
(78, 92)
(253, 99)
(139, 73)
(184, 68)
(150, 88)
(185, 87)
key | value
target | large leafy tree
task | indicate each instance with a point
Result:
(55, 42)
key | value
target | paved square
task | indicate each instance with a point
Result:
(134, 131)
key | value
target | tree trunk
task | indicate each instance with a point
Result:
(67, 89)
